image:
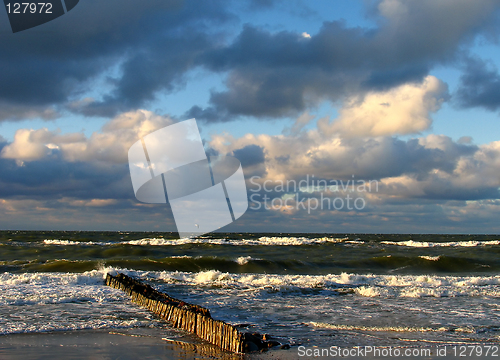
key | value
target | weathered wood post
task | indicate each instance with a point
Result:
(192, 318)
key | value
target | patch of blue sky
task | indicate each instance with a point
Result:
(454, 121)
(195, 90)
(480, 124)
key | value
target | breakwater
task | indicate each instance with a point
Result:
(193, 318)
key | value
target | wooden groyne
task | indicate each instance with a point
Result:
(192, 318)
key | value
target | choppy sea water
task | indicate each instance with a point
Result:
(314, 290)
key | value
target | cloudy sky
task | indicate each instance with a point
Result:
(401, 95)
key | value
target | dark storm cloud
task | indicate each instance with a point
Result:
(160, 68)
(479, 86)
(156, 42)
(388, 78)
(250, 155)
(54, 178)
(279, 74)
(444, 190)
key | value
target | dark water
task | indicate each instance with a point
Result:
(266, 253)
(321, 289)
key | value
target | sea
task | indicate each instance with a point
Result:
(308, 290)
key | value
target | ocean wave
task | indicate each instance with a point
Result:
(430, 258)
(425, 244)
(392, 328)
(360, 242)
(269, 241)
(78, 243)
(266, 241)
(42, 302)
(71, 325)
(17, 286)
(94, 277)
(224, 262)
(243, 260)
(408, 286)
(26, 298)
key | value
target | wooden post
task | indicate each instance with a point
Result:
(192, 318)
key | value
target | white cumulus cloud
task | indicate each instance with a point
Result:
(405, 109)
(111, 144)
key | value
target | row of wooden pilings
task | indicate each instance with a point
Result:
(192, 318)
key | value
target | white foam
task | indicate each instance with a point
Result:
(354, 242)
(425, 244)
(243, 260)
(38, 302)
(430, 258)
(71, 242)
(94, 277)
(98, 306)
(363, 285)
(64, 325)
(390, 328)
(269, 241)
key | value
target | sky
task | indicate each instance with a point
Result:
(373, 116)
